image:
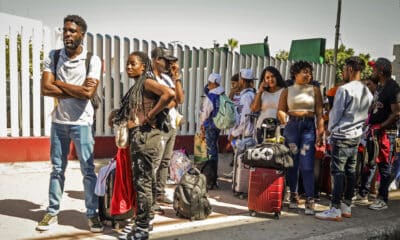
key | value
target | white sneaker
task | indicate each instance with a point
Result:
(393, 186)
(47, 222)
(332, 214)
(379, 204)
(293, 205)
(229, 175)
(360, 199)
(346, 210)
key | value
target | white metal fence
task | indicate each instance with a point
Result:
(23, 112)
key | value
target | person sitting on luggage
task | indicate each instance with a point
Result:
(243, 131)
(267, 97)
(209, 110)
(346, 119)
(302, 102)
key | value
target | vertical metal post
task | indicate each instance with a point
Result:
(337, 34)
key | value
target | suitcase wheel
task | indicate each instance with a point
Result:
(276, 216)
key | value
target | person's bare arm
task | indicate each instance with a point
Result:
(283, 107)
(392, 117)
(49, 88)
(166, 96)
(318, 115)
(85, 91)
(176, 77)
(256, 104)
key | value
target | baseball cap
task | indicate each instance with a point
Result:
(214, 78)
(247, 73)
(160, 52)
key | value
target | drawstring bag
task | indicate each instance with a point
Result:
(121, 134)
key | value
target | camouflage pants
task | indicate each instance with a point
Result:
(145, 151)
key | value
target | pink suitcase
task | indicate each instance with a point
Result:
(240, 181)
(266, 188)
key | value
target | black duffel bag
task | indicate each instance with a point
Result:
(268, 155)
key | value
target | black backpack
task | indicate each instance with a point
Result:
(95, 100)
(190, 196)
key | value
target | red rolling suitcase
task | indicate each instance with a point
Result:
(266, 188)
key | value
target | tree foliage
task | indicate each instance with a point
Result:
(282, 55)
(232, 44)
(343, 54)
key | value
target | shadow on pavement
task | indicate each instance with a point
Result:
(21, 209)
(28, 210)
(76, 194)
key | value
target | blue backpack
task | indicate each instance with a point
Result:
(225, 117)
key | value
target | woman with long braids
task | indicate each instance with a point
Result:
(147, 99)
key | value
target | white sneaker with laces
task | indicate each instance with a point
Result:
(346, 210)
(379, 204)
(332, 214)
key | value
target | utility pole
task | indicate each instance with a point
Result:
(337, 34)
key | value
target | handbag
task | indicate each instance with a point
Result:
(121, 134)
(120, 121)
(179, 121)
(268, 155)
(200, 149)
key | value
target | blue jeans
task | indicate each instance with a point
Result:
(300, 138)
(60, 139)
(343, 168)
(212, 135)
(396, 168)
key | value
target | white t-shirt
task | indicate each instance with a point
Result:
(73, 111)
(269, 106)
(167, 81)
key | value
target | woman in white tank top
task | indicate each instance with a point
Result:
(302, 102)
(267, 97)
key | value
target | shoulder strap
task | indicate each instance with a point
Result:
(87, 61)
(56, 57)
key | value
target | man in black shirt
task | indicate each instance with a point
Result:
(383, 115)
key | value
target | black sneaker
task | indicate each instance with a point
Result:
(212, 186)
(95, 225)
(137, 234)
(131, 226)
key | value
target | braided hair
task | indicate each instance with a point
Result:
(136, 91)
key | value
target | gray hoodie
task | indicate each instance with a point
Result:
(350, 110)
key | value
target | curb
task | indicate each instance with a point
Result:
(385, 230)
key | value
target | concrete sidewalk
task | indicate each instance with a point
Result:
(23, 199)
